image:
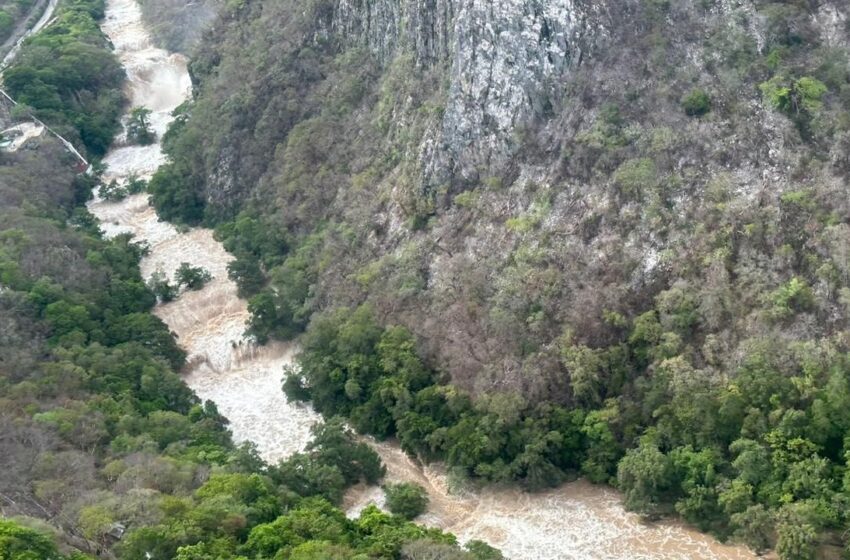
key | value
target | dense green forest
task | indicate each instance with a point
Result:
(101, 436)
(652, 290)
(104, 451)
(68, 76)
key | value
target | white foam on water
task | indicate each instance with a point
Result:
(244, 380)
(576, 521)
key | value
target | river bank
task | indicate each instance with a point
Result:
(576, 520)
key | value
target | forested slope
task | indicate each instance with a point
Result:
(618, 232)
(104, 450)
(68, 76)
(177, 25)
(14, 14)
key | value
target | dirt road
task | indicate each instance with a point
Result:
(13, 44)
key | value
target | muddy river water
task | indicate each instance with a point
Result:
(575, 521)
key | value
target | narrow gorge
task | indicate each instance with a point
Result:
(577, 520)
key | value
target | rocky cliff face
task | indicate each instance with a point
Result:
(512, 178)
(636, 209)
(504, 63)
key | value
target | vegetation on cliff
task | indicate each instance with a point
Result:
(68, 76)
(12, 14)
(104, 451)
(643, 279)
(102, 438)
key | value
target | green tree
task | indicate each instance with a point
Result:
(161, 287)
(796, 540)
(306, 476)
(696, 103)
(139, 127)
(149, 331)
(646, 334)
(313, 520)
(644, 476)
(406, 499)
(697, 475)
(7, 24)
(113, 192)
(483, 551)
(281, 311)
(334, 444)
(636, 177)
(794, 97)
(193, 277)
(585, 368)
(249, 277)
(754, 527)
(795, 296)
(176, 193)
(158, 541)
(320, 550)
(217, 549)
(603, 450)
(20, 543)
(65, 318)
(135, 184)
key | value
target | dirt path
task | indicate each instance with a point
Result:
(22, 31)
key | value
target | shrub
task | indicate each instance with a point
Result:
(795, 96)
(466, 199)
(113, 192)
(161, 287)
(21, 543)
(406, 499)
(792, 297)
(139, 128)
(483, 551)
(193, 277)
(796, 541)
(635, 176)
(696, 103)
(135, 185)
(7, 23)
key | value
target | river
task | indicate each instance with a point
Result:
(575, 521)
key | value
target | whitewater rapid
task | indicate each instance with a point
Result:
(575, 521)
(244, 380)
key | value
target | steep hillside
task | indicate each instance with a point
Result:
(68, 77)
(104, 450)
(515, 172)
(636, 210)
(15, 17)
(177, 25)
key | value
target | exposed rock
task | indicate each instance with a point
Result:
(505, 62)
(493, 174)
